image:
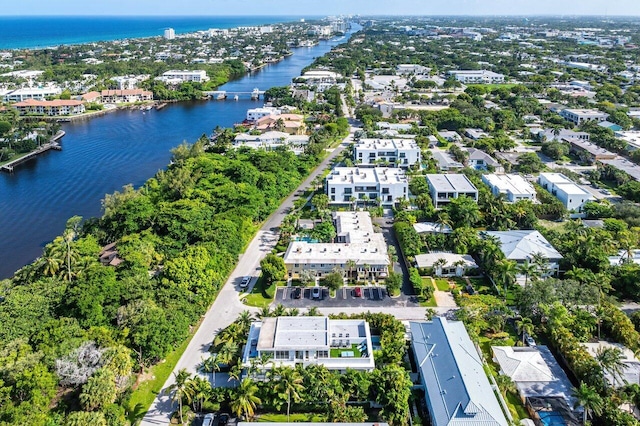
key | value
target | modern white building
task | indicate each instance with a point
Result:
(477, 76)
(196, 76)
(355, 240)
(456, 388)
(580, 116)
(412, 69)
(446, 264)
(346, 184)
(255, 114)
(564, 189)
(401, 152)
(125, 96)
(289, 341)
(169, 34)
(444, 188)
(38, 93)
(514, 187)
(272, 140)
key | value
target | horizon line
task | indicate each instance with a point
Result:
(493, 15)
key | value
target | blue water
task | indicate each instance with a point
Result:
(102, 154)
(40, 31)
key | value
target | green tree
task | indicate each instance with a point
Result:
(525, 326)
(244, 399)
(393, 283)
(84, 418)
(99, 391)
(197, 391)
(211, 365)
(589, 399)
(288, 385)
(334, 280)
(611, 359)
(178, 388)
(273, 268)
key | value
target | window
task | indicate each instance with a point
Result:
(403, 155)
(347, 190)
(385, 190)
(333, 198)
(333, 190)
(282, 355)
(323, 354)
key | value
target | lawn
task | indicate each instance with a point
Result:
(261, 295)
(335, 352)
(295, 417)
(143, 396)
(431, 303)
(442, 284)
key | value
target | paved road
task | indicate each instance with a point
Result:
(228, 306)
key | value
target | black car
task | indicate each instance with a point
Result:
(223, 419)
(297, 293)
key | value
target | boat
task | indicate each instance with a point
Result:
(255, 94)
(236, 97)
(221, 96)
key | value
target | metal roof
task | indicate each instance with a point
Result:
(522, 245)
(457, 389)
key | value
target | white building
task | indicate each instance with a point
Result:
(521, 246)
(401, 152)
(255, 114)
(51, 108)
(580, 116)
(453, 264)
(169, 34)
(572, 196)
(514, 187)
(355, 240)
(412, 69)
(196, 76)
(38, 93)
(387, 184)
(288, 341)
(477, 76)
(272, 140)
(443, 188)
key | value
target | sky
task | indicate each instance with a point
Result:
(321, 7)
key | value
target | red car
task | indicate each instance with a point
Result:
(357, 292)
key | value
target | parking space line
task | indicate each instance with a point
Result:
(284, 293)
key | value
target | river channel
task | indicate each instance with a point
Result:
(103, 154)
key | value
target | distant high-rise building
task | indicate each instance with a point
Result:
(169, 34)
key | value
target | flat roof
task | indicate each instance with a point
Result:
(514, 184)
(565, 184)
(625, 165)
(382, 144)
(357, 175)
(451, 183)
(586, 112)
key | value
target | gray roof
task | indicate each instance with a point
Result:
(445, 161)
(457, 390)
(535, 372)
(451, 183)
(521, 245)
(476, 154)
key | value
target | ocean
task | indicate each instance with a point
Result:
(45, 31)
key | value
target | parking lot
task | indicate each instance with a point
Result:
(371, 296)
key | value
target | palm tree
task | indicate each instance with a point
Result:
(197, 391)
(264, 312)
(438, 265)
(505, 384)
(178, 389)
(288, 385)
(588, 398)
(244, 319)
(210, 365)
(351, 264)
(279, 310)
(313, 312)
(541, 261)
(528, 270)
(525, 326)
(505, 273)
(293, 312)
(460, 264)
(244, 399)
(227, 352)
(611, 361)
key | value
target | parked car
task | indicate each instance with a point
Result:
(245, 282)
(316, 293)
(529, 340)
(605, 191)
(223, 419)
(208, 420)
(357, 292)
(297, 293)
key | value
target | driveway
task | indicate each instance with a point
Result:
(227, 305)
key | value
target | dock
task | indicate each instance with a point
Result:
(223, 94)
(52, 144)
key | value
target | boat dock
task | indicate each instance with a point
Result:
(52, 144)
(223, 94)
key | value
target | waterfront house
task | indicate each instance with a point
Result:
(125, 96)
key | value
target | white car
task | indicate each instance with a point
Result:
(529, 341)
(245, 282)
(208, 419)
(316, 292)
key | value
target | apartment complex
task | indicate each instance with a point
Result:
(580, 116)
(346, 185)
(50, 108)
(125, 96)
(289, 341)
(401, 152)
(444, 188)
(197, 76)
(355, 241)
